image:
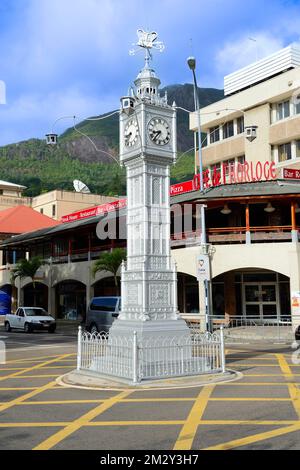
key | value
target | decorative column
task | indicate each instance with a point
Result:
(248, 233)
(293, 223)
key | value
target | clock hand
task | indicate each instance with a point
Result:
(157, 134)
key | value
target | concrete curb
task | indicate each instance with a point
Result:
(89, 381)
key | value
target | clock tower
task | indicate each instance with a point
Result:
(147, 149)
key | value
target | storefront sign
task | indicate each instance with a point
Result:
(94, 211)
(224, 174)
(290, 174)
(203, 268)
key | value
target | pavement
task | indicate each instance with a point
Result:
(260, 410)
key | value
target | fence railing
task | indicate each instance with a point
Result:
(239, 328)
(154, 358)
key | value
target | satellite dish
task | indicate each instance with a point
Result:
(80, 187)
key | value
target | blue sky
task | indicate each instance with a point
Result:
(65, 57)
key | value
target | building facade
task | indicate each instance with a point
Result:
(252, 199)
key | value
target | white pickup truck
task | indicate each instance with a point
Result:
(30, 319)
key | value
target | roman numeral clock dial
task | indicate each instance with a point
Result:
(159, 131)
(131, 133)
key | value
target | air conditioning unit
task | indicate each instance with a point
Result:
(127, 104)
(251, 132)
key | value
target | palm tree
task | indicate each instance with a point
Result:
(26, 268)
(110, 261)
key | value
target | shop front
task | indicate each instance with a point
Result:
(71, 300)
(252, 293)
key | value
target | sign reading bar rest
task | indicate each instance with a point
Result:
(290, 174)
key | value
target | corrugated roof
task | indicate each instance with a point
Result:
(22, 219)
(261, 188)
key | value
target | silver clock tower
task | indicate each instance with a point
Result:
(147, 149)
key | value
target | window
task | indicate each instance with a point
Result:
(297, 148)
(284, 152)
(297, 105)
(228, 130)
(53, 210)
(42, 211)
(240, 125)
(214, 133)
(283, 110)
(241, 159)
(104, 304)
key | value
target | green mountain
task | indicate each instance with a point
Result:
(42, 168)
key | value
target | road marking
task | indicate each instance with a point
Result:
(81, 421)
(188, 431)
(60, 402)
(17, 388)
(34, 425)
(249, 399)
(37, 366)
(30, 394)
(40, 359)
(255, 438)
(22, 398)
(292, 386)
(37, 376)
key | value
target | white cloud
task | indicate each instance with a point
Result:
(242, 51)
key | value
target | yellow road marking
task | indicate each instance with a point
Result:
(146, 423)
(60, 402)
(81, 421)
(17, 388)
(253, 365)
(145, 400)
(34, 425)
(255, 438)
(39, 358)
(22, 368)
(38, 366)
(45, 376)
(22, 398)
(292, 386)
(28, 395)
(188, 431)
(249, 399)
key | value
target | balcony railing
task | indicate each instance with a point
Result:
(223, 235)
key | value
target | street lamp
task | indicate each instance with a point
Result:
(191, 61)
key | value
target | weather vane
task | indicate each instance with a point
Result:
(147, 40)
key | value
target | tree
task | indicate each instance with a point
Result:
(110, 261)
(26, 268)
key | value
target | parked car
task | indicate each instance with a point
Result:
(30, 319)
(297, 333)
(101, 313)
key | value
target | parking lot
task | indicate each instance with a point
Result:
(261, 410)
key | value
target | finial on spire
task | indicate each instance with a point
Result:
(147, 40)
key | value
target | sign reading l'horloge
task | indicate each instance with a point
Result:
(231, 173)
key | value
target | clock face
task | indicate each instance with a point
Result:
(159, 131)
(131, 133)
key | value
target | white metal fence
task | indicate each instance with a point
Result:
(251, 328)
(154, 358)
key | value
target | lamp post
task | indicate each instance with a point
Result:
(191, 61)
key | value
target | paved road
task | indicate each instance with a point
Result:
(259, 411)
